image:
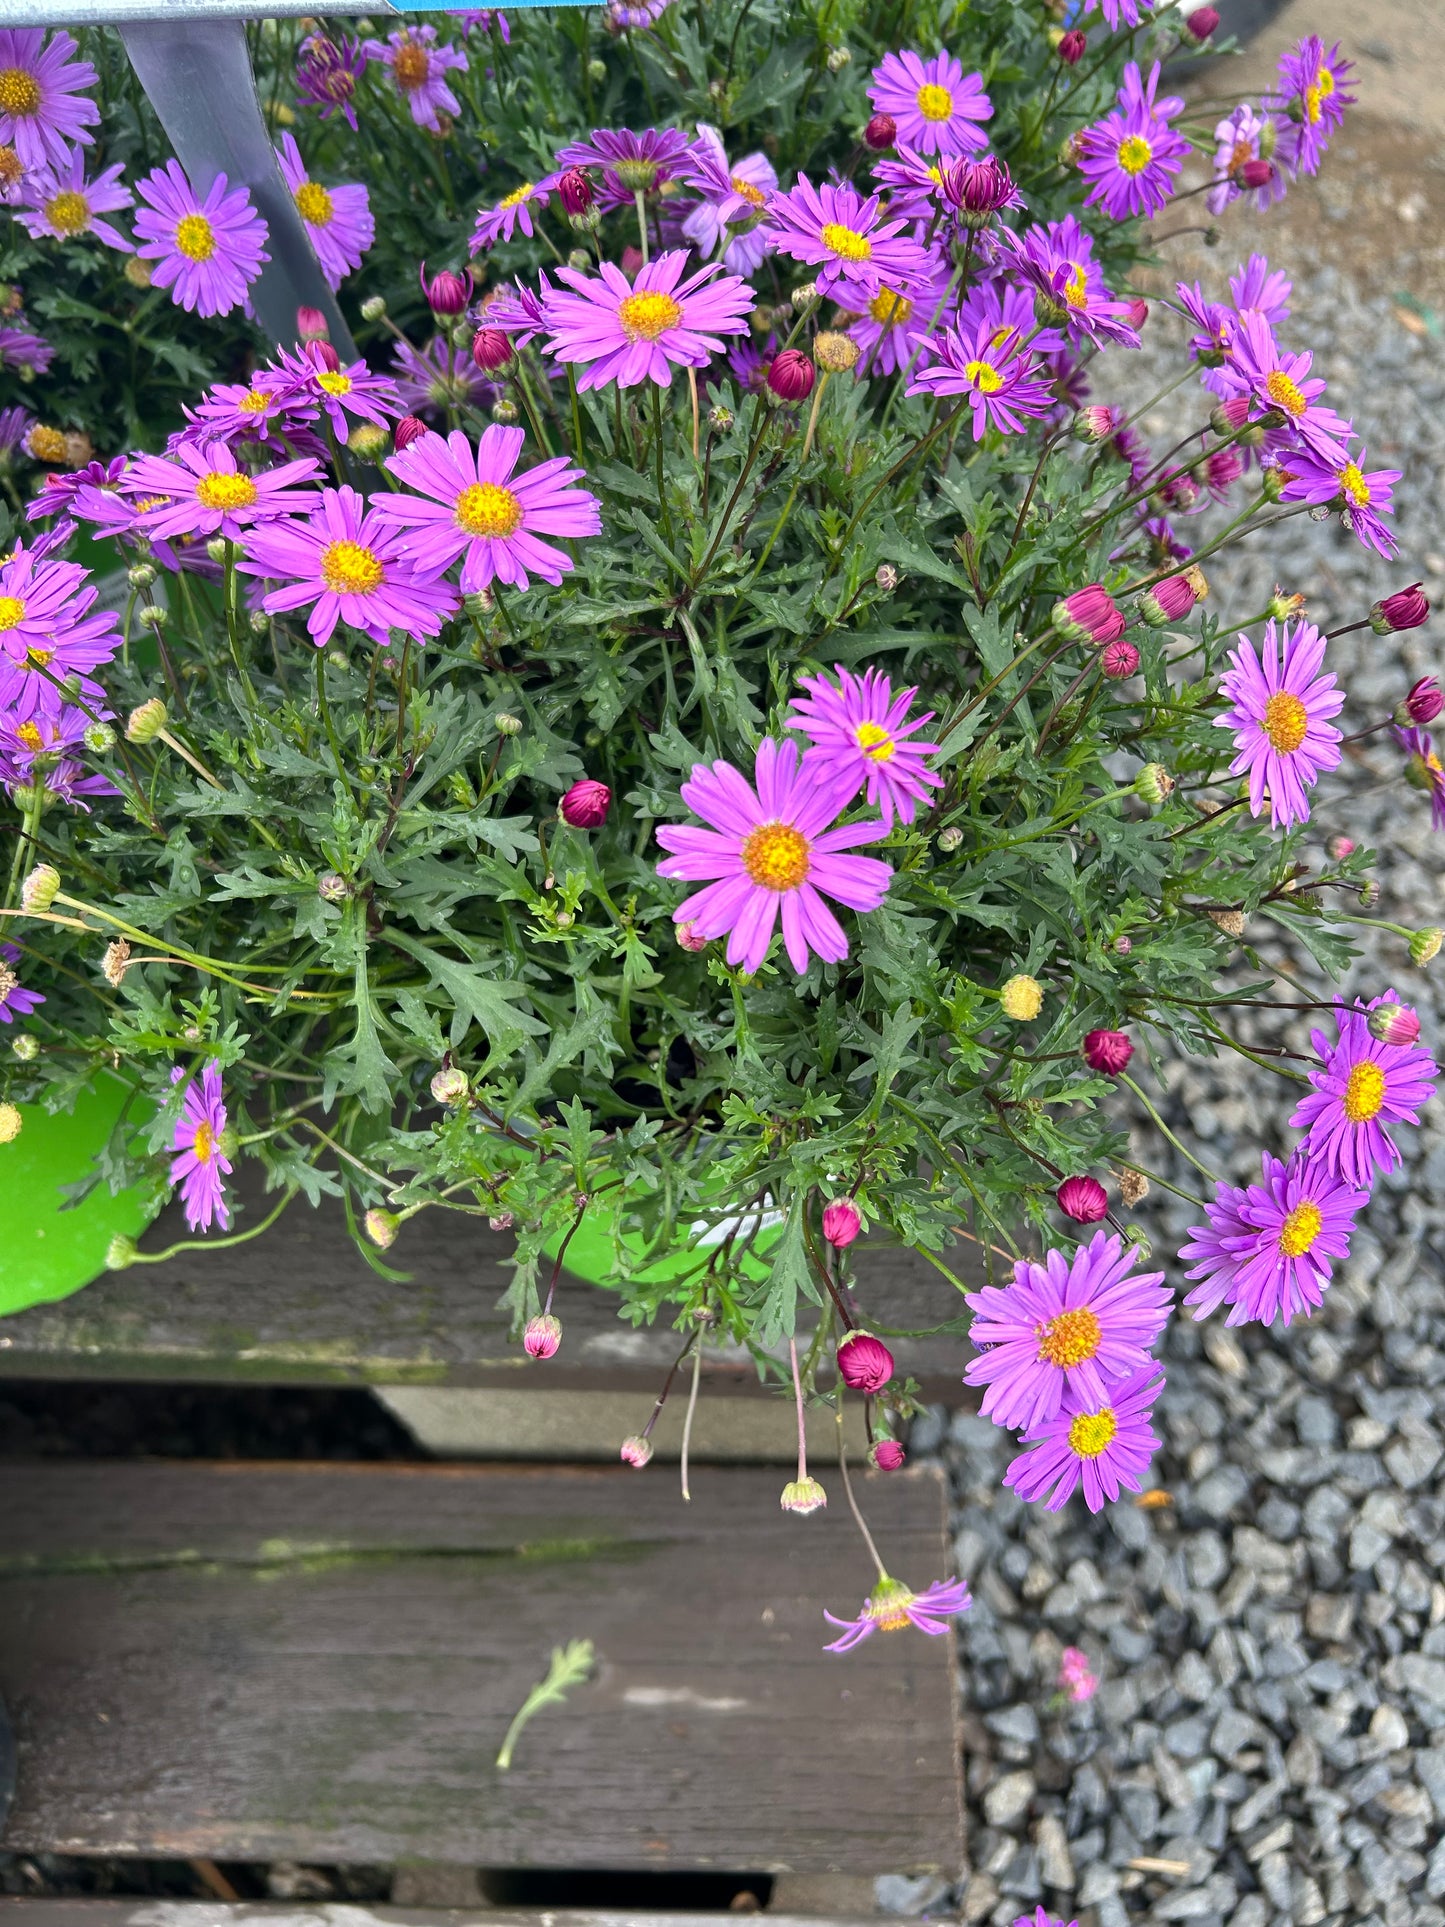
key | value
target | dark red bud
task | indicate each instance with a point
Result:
(575, 191)
(791, 376)
(1072, 47)
(491, 349)
(880, 133)
(408, 429)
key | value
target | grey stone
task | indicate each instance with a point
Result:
(896, 1893)
(1388, 1732)
(1007, 1799)
(1330, 1616)
(1193, 1679)
(1273, 1873)
(1430, 1772)
(1251, 1912)
(1020, 1723)
(1221, 1492)
(1233, 1732)
(1056, 1868)
(1410, 1461)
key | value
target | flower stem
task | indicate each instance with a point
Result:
(687, 1422)
(802, 1428)
(862, 1523)
(1203, 1169)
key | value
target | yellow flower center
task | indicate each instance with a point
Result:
(1285, 721)
(1300, 1229)
(19, 93)
(846, 242)
(889, 309)
(204, 1142)
(46, 444)
(518, 195)
(195, 237)
(12, 172)
(1070, 1339)
(775, 856)
(645, 316)
(1283, 393)
(254, 402)
(221, 491)
(753, 195)
(984, 376)
(314, 204)
(349, 568)
(934, 102)
(1352, 481)
(38, 658)
(1076, 288)
(1325, 83)
(68, 211)
(1093, 1432)
(1135, 154)
(410, 66)
(487, 509)
(29, 735)
(1364, 1092)
(12, 611)
(875, 742)
(334, 382)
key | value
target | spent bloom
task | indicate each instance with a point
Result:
(1069, 1326)
(64, 204)
(200, 1163)
(1131, 157)
(1102, 1444)
(635, 331)
(338, 220)
(470, 502)
(43, 104)
(1362, 1085)
(1270, 1248)
(206, 251)
(1280, 711)
(934, 105)
(847, 239)
(420, 68)
(891, 1606)
(326, 75)
(204, 491)
(771, 848)
(858, 732)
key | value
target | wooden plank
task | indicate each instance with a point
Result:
(144, 1912)
(301, 1306)
(318, 1663)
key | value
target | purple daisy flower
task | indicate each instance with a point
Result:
(15, 999)
(19, 348)
(1003, 306)
(348, 566)
(1282, 381)
(237, 410)
(1003, 382)
(933, 103)
(1103, 1444)
(846, 238)
(58, 493)
(472, 18)
(45, 626)
(1244, 140)
(639, 331)
(1131, 156)
(480, 509)
(771, 849)
(442, 375)
(209, 493)
(1130, 12)
(42, 103)
(420, 68)
(1280, 716)
(1258, 285)
(63, 204)
(1269, 1249)
(1312, 100)
(858, 731)
(734, 197)
(631, 163)
(51, 736)
(1068, 1327)
(338, 220)
(891, 1606)
(200, 1162)
(632, 16)
(1424, 770)
(914, 182)
(1058, 263)
(889, 329)
(326, 75)
(513, 211)
(1362, 495)
(321, 382)
(1362, 1085)
(206, 251)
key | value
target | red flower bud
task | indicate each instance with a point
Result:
(688, 938)
(407, 431)
(323, 355)
(1095, 422)
(631, 260)
(542, 1336)
(1119, 659)
(491, 349)
(1108, 1051)
(979, 189)
(1083, 1199)
(1256, 173)
(886, 1455)
(1072, 47)
(1422, 705)
(586, 804)
(1394, 1024)
(574, 190)
(446, 293)
(1137, 311)
(1168, 601)
(1406, 609)
(842, 1221)
(1228, 417)
(1089, 615)
(791, 376)
(1202, 22)
(864, 1362)
(311, 324)
(1339, 847)
(880, 133)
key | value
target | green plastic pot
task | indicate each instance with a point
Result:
(47, 1252)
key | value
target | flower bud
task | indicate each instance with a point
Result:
(1122, 946)
(145, 723)
(1256, 173)
(636, 1451)
(803, 1496)
(1406, 609)
(542, 1336)
(686, 935)
(865, 1363)
(842, 1222)
(446, 293)
(1272, 484)
(791, 376)
(501, 1221)
(1072, 46)
(39, 889)
(120, 1253)
(1119, 659)
(880, 133)
(99, 738)
(886, 577)
(491, 349)
(950, 838)
(153, 614)
(1133, 1187)
(580, 260)
(507, 724)
(1095, 423)
(381, 1227)
(1107, 1051)
(373, 308)
(25, 1047)
(1137, 1239)
(504, 412)
(332, 888)
(1228, 417)
(10, 1123)
(1154, 784)
(1339, 847)
(1422, 705)
(838, 59)
(804, 296)
(1089, 615)
(1022, 998)
(1425, 946)
(323, 355)
(719, 419)
(575, 191)
(141, 576)
(1369, 894)
(585, 805)
(216, 548)
(886, 1455)
(258, 622)
(597, 72)
(449, 1086)
(1394, 1024)
(136, 271)
(976, 190)
(368, 440)
(1136, 312)
(311, 324)
(834, 353)
(1167, 602)
(1202, 22)
(1083, 1199)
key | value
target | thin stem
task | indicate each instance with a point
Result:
(802, 1428)
(1203, 1169)
(213, 1244)
(862, 1523)
(640, 198)
(687, 1422)
(813, 416)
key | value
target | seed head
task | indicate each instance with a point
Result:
(116, 962)
(25, 1047)
(1133, 1187)
(1154, 784)
(834, 353)
(1231, 922)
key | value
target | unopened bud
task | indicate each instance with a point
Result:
(1154, 784)
(880, 133)
(636, 1451)
(1394, 1024)
(1339, 847)
(154, 614)
(950, 838)
(381, 1227)
(501, 1221)
(838, 59)
(803, 1496)
(99, 738)
(141, 576)
(542, 1336)
(25, 1047)
(504, 412)
(1022, 998)
(507, 724)
(1425, 946)
(449, 1086)
(311, 324)
(491, 349)
(836, 354)
(332, 887)
(688, 937)
(1422, 705)
(1072, 46)
(886, 1455)
(38, 891)
(886, 577)
(373, 308)
(719, 419)
(216, 548)
(146, 722)
(120, 1253)
(842, 1222)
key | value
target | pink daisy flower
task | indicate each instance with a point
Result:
(1280, 715)
(420, 68)
(1424, 770)
(234, 410)
(934, 104)
(15, 999)
(914, 181)
(639, 331)
(631, 163)
(891, 1606)
(1058, 263)
(338, 220)
(326, 75)
(200, 1162)
(45, 626)
(845, 237)
(1312, 100)
(341, 391)
(858, 731)
(727, 219)
(50, 739)
(1102, 1444)
(347, 566)
(207, 252)
(890, 325)
(42, 104)
(1068, 1327)
(1361, 1086)
(209, 493)
(63, 204)
(513, 211)
(1131, 156)
(770, 850)
(1282, 381)
(1268, 1249)
(480, 509)
(519, 312)
(1004, 383)
(1243, 140)
(1363, 496)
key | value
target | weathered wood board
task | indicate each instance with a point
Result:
(318, 1663)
